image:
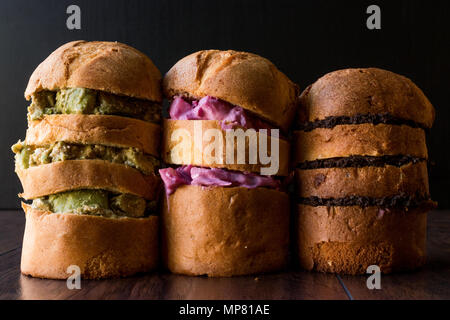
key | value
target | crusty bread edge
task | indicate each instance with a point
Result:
(374, 182)
(107, 130)
(69, 175)
(223, 232)
(171, 129)
(240, 78)
(100, 247)
(106, 66)
(347, 240)
(362, 139)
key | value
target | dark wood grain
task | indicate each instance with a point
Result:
(292, 285)
(160, 285)
(11, 230)
(431, 282)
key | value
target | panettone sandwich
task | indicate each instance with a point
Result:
(89, 162)
(225, 218)
(361, 172)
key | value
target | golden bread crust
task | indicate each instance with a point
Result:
(350, 92)
(69, 175)
(200, 157)
(106, 130)
(106, 66)
(361, 139)
(374, 182)
(225, 231)
(240, 78)
(349, 239)
(101, 247)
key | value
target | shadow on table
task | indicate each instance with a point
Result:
(290, 285)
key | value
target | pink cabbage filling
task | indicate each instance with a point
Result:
(213, 177)
(210, 108)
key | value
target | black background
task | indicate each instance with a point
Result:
(305, 39)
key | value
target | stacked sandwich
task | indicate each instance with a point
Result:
(89, 162)
(225, 218)
(362, 182)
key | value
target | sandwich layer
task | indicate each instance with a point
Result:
(373, 91)
(96, 202)
(111, 131)
(240, 78)
(371, 182)
(360, 162)
(100, 247)
(87, 101)
(31, 156)
(399, 200)
(105, 66)
(210, 108)
(363, 140)
(213, 177)
(180, 147)
(225, 231)
(385, 118)
(69, 175)
(347, 240)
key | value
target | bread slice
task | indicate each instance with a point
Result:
(225, 231)
(171, 138)
(100, 247)
(240, 78)
(107, 130)
(361, 139)
(347, 240)
(373, 182)
(352, 92)
(69, 175)
(106, 66)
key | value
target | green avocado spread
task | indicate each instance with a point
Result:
(29, 156)
(87, 101)
(96, 202)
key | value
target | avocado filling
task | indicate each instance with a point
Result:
(29, 156)
(97, 203)
(87, 101)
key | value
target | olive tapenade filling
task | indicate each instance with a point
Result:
(29, 156)
(88, 101)
(97, 203)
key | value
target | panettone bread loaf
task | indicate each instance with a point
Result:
(226, 211)
(362, 188)
(100, 247)
(89, 162)
(225, 231)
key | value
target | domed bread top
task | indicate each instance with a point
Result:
(240, 78)
(353, 92)
(106, 66)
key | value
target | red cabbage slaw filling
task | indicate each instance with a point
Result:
(213, 177)
(210, 108)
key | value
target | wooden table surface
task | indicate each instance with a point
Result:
(431, 282)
